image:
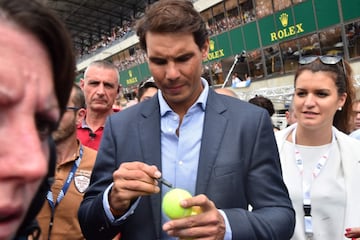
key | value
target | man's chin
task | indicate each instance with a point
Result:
(101, 108)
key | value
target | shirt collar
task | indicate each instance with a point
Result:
(84, 124)
(201, 101)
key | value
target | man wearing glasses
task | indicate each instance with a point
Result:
(58, 216)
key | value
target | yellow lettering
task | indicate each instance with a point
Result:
(131, 80)
(273, 36)
(286, 32)
(299, 28)
(221, 51)
(280, 34)
(211, 56)
(216, 54)
(292, 30)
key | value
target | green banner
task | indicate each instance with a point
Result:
(266, 24)
(281, 26)
(130, 77)
(144, 71)
(351, 9)
(236, 40)
(251, 36)
(305, 21)
(224, 44)
(327, 12)
(217, 48)
(79, 77)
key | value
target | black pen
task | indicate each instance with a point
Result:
(165, 182)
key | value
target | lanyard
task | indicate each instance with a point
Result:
(307, 186)
(64, 189)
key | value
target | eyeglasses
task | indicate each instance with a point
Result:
(325, 59)
(73, 108)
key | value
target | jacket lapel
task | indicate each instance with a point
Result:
(214, 127)
(149, 128)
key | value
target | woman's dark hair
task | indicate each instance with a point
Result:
(38, 20)
(35, 18)
(345, 84)
(172, 16)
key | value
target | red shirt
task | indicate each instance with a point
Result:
(88, 137)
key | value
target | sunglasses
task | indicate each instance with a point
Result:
(325, 59)
(150, 82)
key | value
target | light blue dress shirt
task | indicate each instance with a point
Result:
(179, 155)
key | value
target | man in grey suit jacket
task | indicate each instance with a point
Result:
(219, 148)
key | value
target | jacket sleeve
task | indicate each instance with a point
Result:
(272, 215)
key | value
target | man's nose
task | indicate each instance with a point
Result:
(172, 71)
(100, 89)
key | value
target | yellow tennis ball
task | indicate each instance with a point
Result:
(171, 203)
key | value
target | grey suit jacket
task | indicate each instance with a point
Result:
(238, 166)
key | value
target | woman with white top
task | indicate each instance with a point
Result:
(320, 162)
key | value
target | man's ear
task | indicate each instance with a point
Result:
(80, 116)
(82, 83)
(205, 49)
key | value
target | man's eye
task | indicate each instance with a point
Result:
(158, 61)
(44, 126)
(109, 86)
(184, 58)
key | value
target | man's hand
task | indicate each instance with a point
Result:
(132, 180)
(208, 224)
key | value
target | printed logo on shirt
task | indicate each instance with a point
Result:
(82, 180)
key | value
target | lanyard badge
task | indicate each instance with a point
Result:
(306, 186)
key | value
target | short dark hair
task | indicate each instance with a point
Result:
(79, 98)
(166, 16)
(263, 102)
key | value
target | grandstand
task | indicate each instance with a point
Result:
(262, 39)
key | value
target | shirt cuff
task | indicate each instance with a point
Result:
(108, 213)
(228, 232)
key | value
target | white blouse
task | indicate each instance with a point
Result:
(327, 190)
